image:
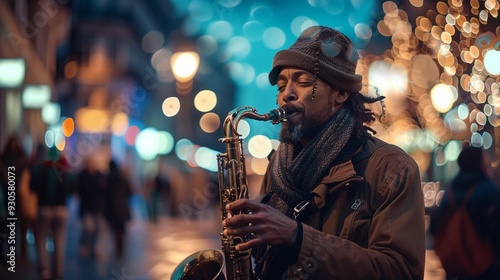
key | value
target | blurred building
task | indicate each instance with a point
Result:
(89, 76)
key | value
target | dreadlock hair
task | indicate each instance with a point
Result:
(356, 103)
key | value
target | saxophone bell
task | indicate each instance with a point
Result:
(202, 265)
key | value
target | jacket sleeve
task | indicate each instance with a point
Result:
(396, 238)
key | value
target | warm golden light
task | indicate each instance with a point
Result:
(171, 106)
(442, 98)
(61, 144)
(119, 123)
(68, 127)
(259, 165)
(454, 66)
(92, 120)
(184, 65)
(205, 100)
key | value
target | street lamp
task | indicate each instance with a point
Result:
(184, 66)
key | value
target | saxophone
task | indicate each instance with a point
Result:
(209, 264)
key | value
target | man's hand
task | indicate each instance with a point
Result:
(268, 225)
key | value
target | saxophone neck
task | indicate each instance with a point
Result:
(233, 118)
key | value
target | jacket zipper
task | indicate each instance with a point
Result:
(355, 206)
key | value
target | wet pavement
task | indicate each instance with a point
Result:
(152, 250)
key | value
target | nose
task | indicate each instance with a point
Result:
(289, 94)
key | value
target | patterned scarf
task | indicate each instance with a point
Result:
(292, 179)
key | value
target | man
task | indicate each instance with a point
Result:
(472, 188)
(52, 181)
(340, 203)
(90, 190)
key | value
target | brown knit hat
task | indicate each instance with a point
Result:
(333, 54)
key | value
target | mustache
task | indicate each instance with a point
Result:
(291, 108)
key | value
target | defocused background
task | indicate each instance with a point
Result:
(143, 81)
(148, 83)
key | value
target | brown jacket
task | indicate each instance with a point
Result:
(370, 230)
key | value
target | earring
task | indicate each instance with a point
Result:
(313, 92)
(315, 85)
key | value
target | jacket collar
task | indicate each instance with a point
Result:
(338, 178)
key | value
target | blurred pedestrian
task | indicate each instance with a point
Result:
(28, 198)
(16, 165)
(90, 191)
(117, 209)
(53, 183)
(483, 205)
(163, 192)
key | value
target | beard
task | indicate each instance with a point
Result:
(299, 127)
(295, 132)
(291, 134)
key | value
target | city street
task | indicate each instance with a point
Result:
(152, 250)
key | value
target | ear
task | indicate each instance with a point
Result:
(341, 96)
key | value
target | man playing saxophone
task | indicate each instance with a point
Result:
(339, 203)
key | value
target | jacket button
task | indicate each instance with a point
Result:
(309, 265)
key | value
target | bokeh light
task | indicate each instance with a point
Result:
(220, 30)
(238, 47)
(60, 142)
(205, 100)
(184, 149)
(492, 61)
(51, 112)
(259, 165)
(259, 146)
(35, 96)
(119, 123)
(171, 106)
(131, 135)
(274, 38)
(12, 72)
(160, 61)
(243, 128)
(68, 127)
(206, 158)
(49, 138)
(165, 142)
(253, 30)
(442, 98)
(147, 143)
(184, 65)
(209, 122)
(152, 41)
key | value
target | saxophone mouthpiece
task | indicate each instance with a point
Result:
(277, 115)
